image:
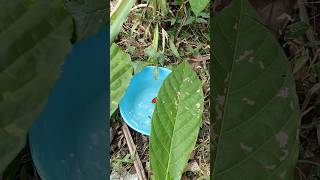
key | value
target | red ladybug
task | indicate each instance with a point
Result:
(154, 100)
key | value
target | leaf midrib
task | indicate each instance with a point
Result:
(229, 84)
(174, 132)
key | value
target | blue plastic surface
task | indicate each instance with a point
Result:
(69, 140)
(136, 107)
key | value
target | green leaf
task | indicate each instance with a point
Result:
(119, 16)
(198, 5)
(201, 20)
(204, 15)
(138, 66)
(150, 52)
(178, 2)
(173, 48)
(296, 30)
(89, 16)
(256, 110)
(175, 123)
(120, 75)
(315, 172)
(34, 40)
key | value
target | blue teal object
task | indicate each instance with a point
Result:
(69, 140)
(136, 106)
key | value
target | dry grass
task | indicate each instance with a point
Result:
(192, 42)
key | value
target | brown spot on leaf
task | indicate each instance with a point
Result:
(285, 155)
(220, 100)
(283, 174)
(291, 105)
(226, 79)
(284, 92)
(219, 112)
(246, 148)
(248, 55)
(248, 101)
(270, 167)
(261, 64)
(282, 138)
(235, 27)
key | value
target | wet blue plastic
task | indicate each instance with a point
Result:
(69, 140)
(136, 107)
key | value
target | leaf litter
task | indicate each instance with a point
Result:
(188, 41)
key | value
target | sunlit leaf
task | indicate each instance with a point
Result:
(119, 16)
(198, 5)
(173, 48)
(175, 123)
(120, 75)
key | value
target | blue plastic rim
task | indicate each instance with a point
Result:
(136, 106)
(69, 140)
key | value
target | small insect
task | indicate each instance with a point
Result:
(154, 100)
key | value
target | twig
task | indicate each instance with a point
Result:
(301, 174)
(310, 93)
(132, 148)
(309, 162)
(314, 60)
(305, 18)
(141, 6)
(307, 111)
(183, 20)
(111, 135)
(200, 58)
(144, 12)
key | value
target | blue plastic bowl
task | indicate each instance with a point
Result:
(136, 106)
(69, 140)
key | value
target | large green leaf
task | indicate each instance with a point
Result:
(119, 16)
(89, 16)
(256, 112)
(175, 123)
(34, 39)
(198, 5)
(120, 75)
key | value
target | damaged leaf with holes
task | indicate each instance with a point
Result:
(256, 111)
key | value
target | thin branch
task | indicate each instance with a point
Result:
(132, 148)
